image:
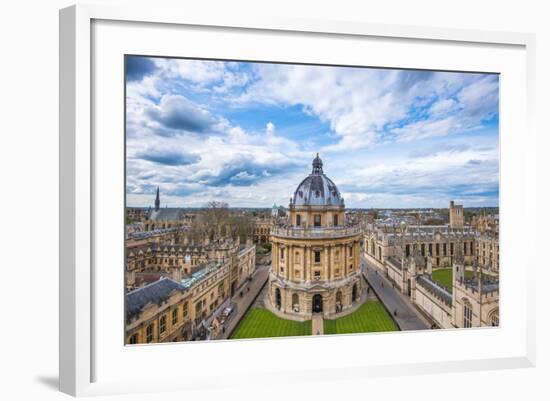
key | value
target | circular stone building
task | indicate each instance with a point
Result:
(315, 255)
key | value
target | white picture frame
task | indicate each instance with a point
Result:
(83, 352)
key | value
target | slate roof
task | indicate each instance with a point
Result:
(156, 293)
(317, 189)
(486, 287)
(440, 292)
(166, 214)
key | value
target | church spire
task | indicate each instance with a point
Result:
(157, 201)
(317, 165)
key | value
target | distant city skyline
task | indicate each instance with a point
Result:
(246, 133)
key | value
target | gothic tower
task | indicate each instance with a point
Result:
(458, 265)
(157, 201)
(456, 215)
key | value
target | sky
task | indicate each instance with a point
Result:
(246, 133)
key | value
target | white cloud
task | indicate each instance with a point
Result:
(363, 107)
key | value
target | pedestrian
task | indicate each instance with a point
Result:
(247, 289)
(395, 312)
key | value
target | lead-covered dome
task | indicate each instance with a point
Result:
(317, 189)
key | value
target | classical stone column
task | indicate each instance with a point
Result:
(290, 263)
(325, 267)
(304, 267)
(310, 262)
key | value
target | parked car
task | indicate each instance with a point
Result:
(227, 311)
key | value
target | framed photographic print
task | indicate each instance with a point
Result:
(268, 188)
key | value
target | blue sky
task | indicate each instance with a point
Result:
(246, 133)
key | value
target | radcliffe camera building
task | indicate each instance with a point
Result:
(315, 254)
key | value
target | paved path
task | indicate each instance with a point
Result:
(241, 304)
(317, 324)
(407, 317)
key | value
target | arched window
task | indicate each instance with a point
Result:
(295, 303)
(133, 339)
(149, 333)
(317, 220)
(467, 314)
(278, 298)
(298, 220)
(494, 318)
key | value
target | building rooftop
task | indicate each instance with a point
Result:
(154, 293)
(439, 291)
(200, 274)
(317, 189)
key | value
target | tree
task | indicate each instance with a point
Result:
(215, 217)
(241, 226)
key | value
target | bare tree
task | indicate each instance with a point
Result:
(216, 217)
(241, 226)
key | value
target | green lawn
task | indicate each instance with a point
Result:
(261, 323)
(444, 277)
(370, 317)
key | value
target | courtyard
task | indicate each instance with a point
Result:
(369, 318)
(261, 323)
(444, 277)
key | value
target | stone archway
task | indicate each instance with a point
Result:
(317, 303)
(278, 298)
(354, 293)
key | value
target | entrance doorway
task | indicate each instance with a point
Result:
(317, 305)
(278, 298)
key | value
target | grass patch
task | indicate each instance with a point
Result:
(444, 277)
(370, 317)
(261, 323)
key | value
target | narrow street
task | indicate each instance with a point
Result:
(241, 304)
(406, 316)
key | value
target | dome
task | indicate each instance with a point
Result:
(317, 189)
